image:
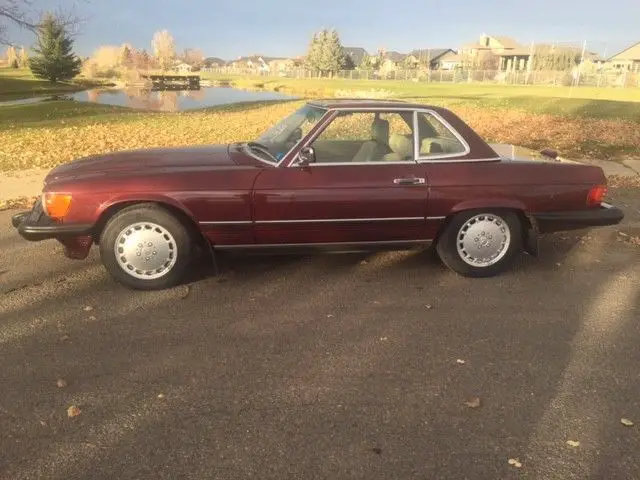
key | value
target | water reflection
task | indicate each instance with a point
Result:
(174, 98)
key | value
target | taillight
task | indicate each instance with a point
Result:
(56, 205)
(596, 195)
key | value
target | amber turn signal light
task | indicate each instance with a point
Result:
(56, 205)
(596, 195)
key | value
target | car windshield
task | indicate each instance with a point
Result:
(285, 134)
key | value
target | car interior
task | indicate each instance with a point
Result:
(362, 137)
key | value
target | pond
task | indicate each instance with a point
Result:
(166, 100)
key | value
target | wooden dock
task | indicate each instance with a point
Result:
(186, 82)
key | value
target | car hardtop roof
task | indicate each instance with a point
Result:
(337, 103)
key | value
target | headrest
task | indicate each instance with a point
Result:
(380, 130)
(402, 146)
(431, 145)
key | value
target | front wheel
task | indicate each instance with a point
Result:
(145, 247)
(480, 243)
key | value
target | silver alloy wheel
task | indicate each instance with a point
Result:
(483, 240)
(146, 250)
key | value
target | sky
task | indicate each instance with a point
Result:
(283, 28)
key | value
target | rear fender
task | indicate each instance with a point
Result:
(529, 226)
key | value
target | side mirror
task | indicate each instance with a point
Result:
(306, 156)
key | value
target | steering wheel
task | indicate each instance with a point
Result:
(260, 147)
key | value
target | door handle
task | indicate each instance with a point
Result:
(409, 181)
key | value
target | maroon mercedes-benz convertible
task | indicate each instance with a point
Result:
(336, 174)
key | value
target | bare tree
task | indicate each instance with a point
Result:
(193, 57)
(23, 58)
(164, 49)
(22, 14)
(12, 57)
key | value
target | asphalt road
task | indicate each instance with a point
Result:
(333, 366)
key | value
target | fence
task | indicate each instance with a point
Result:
(574, 77)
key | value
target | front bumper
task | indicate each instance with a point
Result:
(605, 215)
(35, 226)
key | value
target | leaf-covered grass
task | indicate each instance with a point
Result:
(51, 133)
(45, 143)
(18, 83)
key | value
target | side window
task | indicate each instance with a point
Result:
(362, 137)
(435, 138)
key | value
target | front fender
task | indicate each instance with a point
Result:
(142, 198)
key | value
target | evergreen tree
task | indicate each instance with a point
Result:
(312, 59)
(325, 52)
(54, 59)
(126, 56)
(368, 63)
(333, 57)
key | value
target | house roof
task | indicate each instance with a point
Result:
(506, 42)
(356, 54)
(524, 51)
(395, 56)
(630, 53)
(215, 60)
(256, 58)
(430, 53)
(451, 57)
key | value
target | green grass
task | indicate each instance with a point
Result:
(588, 102)
(19, 83)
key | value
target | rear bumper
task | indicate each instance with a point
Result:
(605, 215)
(35, 226)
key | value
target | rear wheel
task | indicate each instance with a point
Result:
(145, 247)
(481, 243)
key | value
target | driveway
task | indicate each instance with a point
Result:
(334, 366)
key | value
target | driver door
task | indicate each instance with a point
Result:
(353, 192)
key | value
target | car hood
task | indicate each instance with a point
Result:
(144, 160)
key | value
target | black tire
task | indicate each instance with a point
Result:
(167, 223)
(447, 246)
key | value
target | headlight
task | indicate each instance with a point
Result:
(56, 205)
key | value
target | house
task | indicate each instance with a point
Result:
(628, 59)
(449, 61)
(392, 60)
(544, 56)
(488, 44)
(354, 56)
(252, 62)
(431, 57)
(182, 67)
(283, 65)
(482, 54)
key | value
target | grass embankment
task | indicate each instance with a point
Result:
(594, 123)
(19, 83)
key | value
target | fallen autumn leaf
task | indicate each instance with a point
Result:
(73, 411)
(473, 402)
